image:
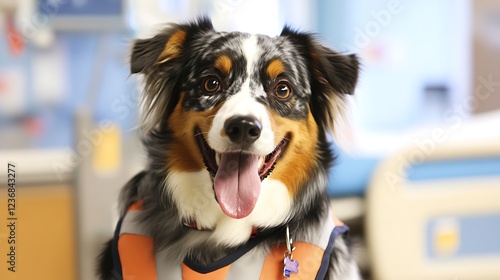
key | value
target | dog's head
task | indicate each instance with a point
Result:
(247, 110)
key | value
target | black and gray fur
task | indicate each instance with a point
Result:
(319, 77)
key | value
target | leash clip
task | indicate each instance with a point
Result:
(290, 265)
(289, 243)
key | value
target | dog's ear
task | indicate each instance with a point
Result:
(333, 77)
(161, 60)
(146, 52)
(165, 46)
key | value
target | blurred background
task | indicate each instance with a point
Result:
(419, 186)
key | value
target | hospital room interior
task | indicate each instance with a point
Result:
(418, 183)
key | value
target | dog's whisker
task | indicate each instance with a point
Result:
(210, 117)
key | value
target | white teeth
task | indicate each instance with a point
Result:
(260, 162)
(217, 158)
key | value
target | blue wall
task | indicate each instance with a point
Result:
(402, 54)
(96, 64)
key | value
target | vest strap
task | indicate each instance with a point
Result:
(188, 273)
(137, 264)
(134, 256)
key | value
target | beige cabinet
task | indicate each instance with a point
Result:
(44, 233)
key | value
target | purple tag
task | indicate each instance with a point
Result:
(290, 266)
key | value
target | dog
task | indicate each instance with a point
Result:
(236, 128)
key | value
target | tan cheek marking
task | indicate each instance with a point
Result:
(275, 68)
(185, 156)
(174, 46)
(294, 166)
(224, 64)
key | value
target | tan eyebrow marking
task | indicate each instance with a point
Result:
(224, 64)
(275, 68)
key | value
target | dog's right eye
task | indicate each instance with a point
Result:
(211, 85)
(282, 90)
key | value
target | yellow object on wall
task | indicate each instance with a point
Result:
(107, 149)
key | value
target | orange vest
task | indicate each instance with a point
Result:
(135, 259)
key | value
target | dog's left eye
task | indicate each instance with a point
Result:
(211, 85)
(282, 90)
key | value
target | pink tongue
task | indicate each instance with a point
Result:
(237, 184)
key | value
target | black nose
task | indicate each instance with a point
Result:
(243, 129)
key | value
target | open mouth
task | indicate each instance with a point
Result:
(212, 159)
(238, 175)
